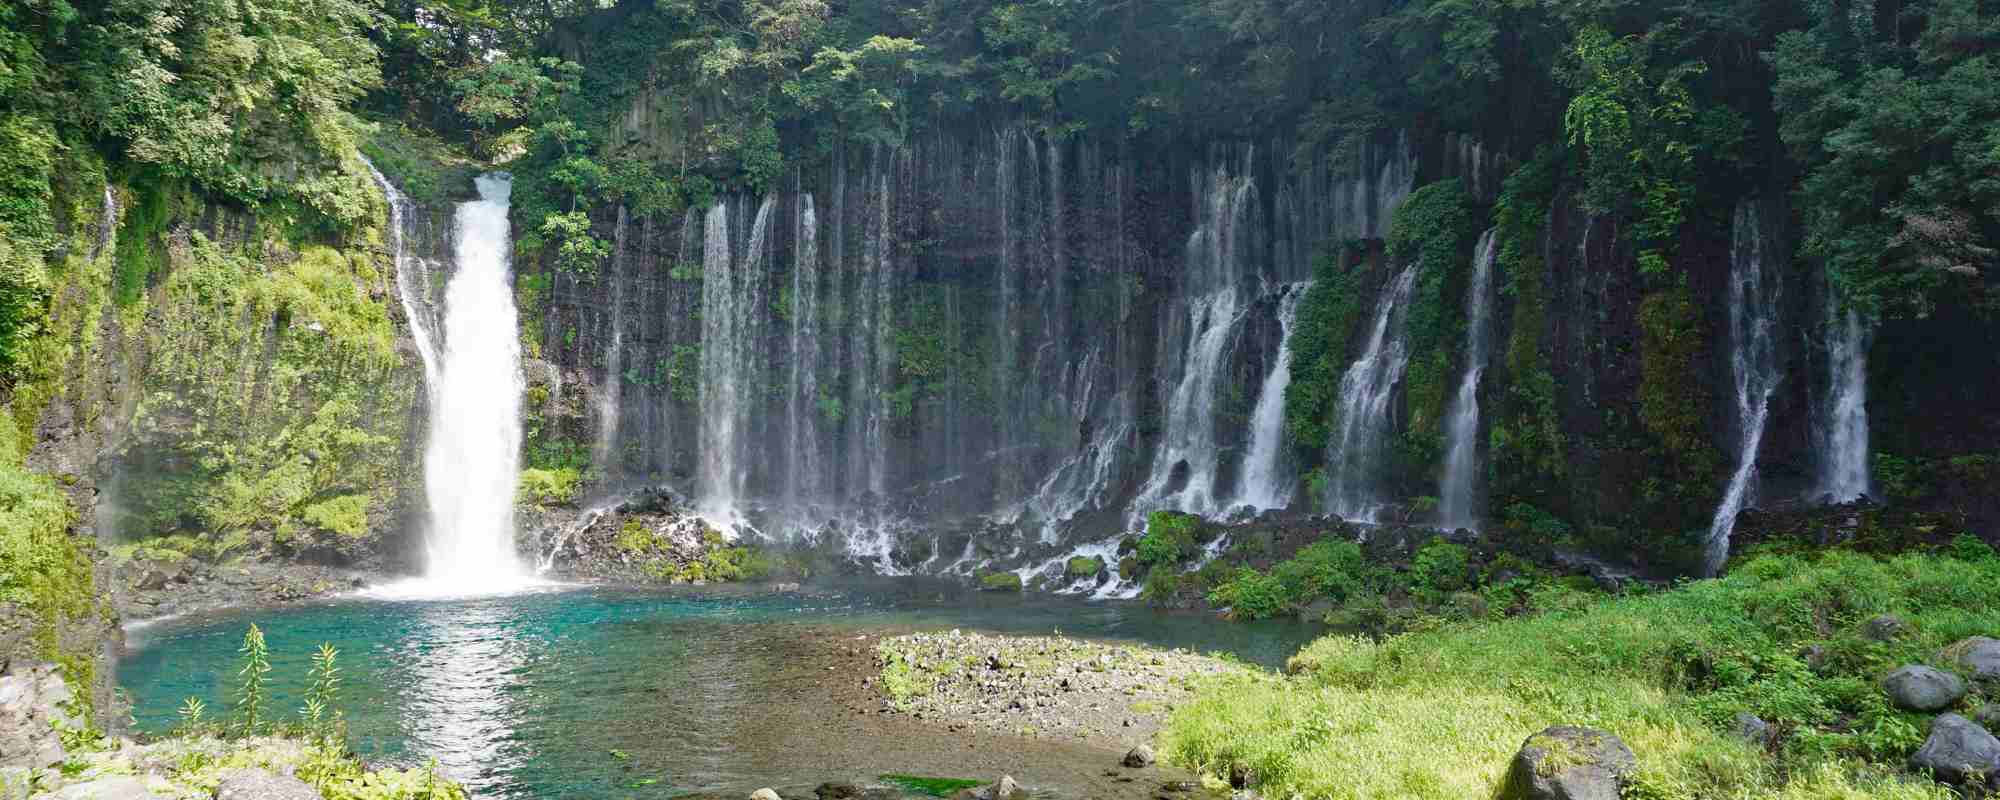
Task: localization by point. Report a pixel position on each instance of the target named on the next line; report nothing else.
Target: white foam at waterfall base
(1461, 463)
(472, 459)
(1753, 319)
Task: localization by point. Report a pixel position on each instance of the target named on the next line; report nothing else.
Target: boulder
(837, 790)
(1958, 750)
(1139, 757)
(32, 696)
(1570, 763)
(119, 787)
(1979, 655)
(1003, 789)
(766, 793)
(1920, 688)
(1885, 628)
(16, 782)
(1988, 716)
(257, 784)
(1753, 729)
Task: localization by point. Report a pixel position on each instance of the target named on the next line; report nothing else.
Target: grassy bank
(1437, 713)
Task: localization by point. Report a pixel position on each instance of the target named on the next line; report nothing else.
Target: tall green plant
(250, 690)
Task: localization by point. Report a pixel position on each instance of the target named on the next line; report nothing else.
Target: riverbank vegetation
(1797, 640)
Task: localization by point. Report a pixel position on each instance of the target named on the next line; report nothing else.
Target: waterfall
(1185, 470)
(614, 380)
(412, 291)
(472, 463)
(1753, 360)
(1354, 456)
(1266, 484)
(1461, 463)
(1842, 428)
(720, 378)
(801, 406)
(107, 227)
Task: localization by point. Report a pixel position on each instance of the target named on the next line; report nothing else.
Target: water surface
(595, 692)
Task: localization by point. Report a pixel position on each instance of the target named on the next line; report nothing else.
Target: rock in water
(1003, 789)
(1570, 763)
(1958, 750)
(1920, 688)
(32, 696)
(1980, 656)
(766, 793)
(257, 784)
(1138, 757)
(834, 790)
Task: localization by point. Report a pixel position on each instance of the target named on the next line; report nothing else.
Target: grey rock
(1003, 789)
(1885, 628)
(32, 696)
(766, 793)
(257, 784)
(837, 790)
(1988, 716)
(1980, 656)
(1958, 750)
(16, 783)
(1752, 728)
(1920, 688)
(1139, 757)
(120, 787)
(1570, 763)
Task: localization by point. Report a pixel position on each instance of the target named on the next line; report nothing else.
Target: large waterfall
(1266, 483)
(1356, 453)
(1753, 360)
(1456, 504)
(1842, 424)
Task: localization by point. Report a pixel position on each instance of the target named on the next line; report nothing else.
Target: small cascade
(1753, 360)
(732, 305)
(472, 464)
(1354, 456)
(801, 405)
(1186, 469)
(608, 392)
(412, 290)
(107, 226)
(1456, 502)
(1266, 482)
(1842, 427)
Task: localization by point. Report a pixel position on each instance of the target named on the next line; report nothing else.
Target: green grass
(935, 787)
(1439, 713)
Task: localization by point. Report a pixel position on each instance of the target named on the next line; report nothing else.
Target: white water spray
(1266, 483)
(1753, 320)
(472, 464)
(1461, 463)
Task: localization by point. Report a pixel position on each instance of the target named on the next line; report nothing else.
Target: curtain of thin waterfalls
(472, 464)
(1185, 470)
(1753, 360)
(721, 378)
(1842, 427)
(1461, 464)
(612, 386)
(801, 405)
(1355, 454)
(1266, 481)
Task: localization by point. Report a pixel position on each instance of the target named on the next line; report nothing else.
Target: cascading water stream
(1753, 320)
(1843, 424)
(411, 289)
(1266, 484)
(1461, 463)
(1355, 452)
(801, 409)
(472, 463)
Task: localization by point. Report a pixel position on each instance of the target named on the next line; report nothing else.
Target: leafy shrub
(1169, 539)
(1328, 568)
(1252, 595)
(1439, 568)
(549, 486)
(346, 515)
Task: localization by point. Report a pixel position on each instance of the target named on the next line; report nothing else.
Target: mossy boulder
(1085, 566)
(1000, 582)
(1570, 763)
